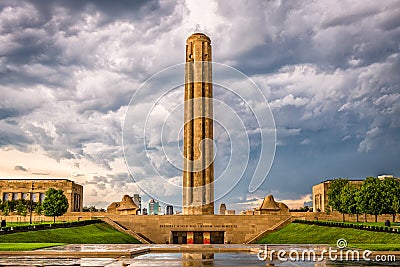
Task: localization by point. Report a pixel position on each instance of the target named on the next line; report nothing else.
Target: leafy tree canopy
(391, 192)
(334, 194)
(349, 199)
(21, 208)
(55, 203)
(371, 196)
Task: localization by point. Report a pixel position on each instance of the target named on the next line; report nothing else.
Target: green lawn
(26, 246)
(297, 233)
(99, 233)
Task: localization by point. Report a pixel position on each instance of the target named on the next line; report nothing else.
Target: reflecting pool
(172, 255)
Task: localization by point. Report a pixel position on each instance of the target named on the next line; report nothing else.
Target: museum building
(15, 189)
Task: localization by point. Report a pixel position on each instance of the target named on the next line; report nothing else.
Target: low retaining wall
(336, 216)
(45, 226)
(357, 226)
(69, 216)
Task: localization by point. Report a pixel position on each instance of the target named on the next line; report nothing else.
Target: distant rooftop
(355, 180)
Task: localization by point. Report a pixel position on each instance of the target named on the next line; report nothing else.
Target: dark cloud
(40, 173)
(122, 8)
(11, 135)
(291, 33)
(390, 21)
(8, 112)
(20, 168)
(350, 18)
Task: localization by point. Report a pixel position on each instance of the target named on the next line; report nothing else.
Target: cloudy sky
(328, 69)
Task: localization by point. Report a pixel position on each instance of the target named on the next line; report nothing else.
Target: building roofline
(36, 179)
(349, 179)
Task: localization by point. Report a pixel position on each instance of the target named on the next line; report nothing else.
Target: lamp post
(31, 204)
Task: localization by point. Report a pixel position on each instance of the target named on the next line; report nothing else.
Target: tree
(396, 205)
(90, 209)
(55, 203)
(334, 195)
(11, 205)
(349, 199)
(391, 190)
(39, 209)
(21, 208)
(371, 197)
(6, 208)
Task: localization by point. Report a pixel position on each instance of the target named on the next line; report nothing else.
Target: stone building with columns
(320, 192)
(15, 189)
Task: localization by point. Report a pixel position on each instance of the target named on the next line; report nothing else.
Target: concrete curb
(76, 254)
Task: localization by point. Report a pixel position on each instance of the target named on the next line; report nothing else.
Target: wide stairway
(273, 228)
(123, 229)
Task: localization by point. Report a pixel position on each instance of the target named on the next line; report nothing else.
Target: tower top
(198, 36)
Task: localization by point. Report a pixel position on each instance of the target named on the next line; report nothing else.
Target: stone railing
(273, 228)
(123, 229)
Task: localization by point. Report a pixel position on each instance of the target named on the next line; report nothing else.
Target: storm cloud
(328, 69)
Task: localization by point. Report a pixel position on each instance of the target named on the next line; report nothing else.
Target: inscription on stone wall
(200, 226)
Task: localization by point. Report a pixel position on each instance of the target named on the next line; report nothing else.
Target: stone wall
(69, 216)
(237, 228)
(336, 216)
(320, 197)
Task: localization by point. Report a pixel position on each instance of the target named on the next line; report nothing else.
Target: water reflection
(197, 259)
(172, 259)
(175, 260)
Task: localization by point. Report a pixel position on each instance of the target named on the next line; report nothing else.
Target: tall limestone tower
(198, 173)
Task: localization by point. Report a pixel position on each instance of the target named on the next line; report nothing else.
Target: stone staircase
(273, 228)
(123, 229)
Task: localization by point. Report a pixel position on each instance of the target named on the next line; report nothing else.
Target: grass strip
(98, 233)
(296, 233)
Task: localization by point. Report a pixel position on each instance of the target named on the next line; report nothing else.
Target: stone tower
(198, 173)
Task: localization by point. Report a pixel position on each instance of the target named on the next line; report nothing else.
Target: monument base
(202, 229)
